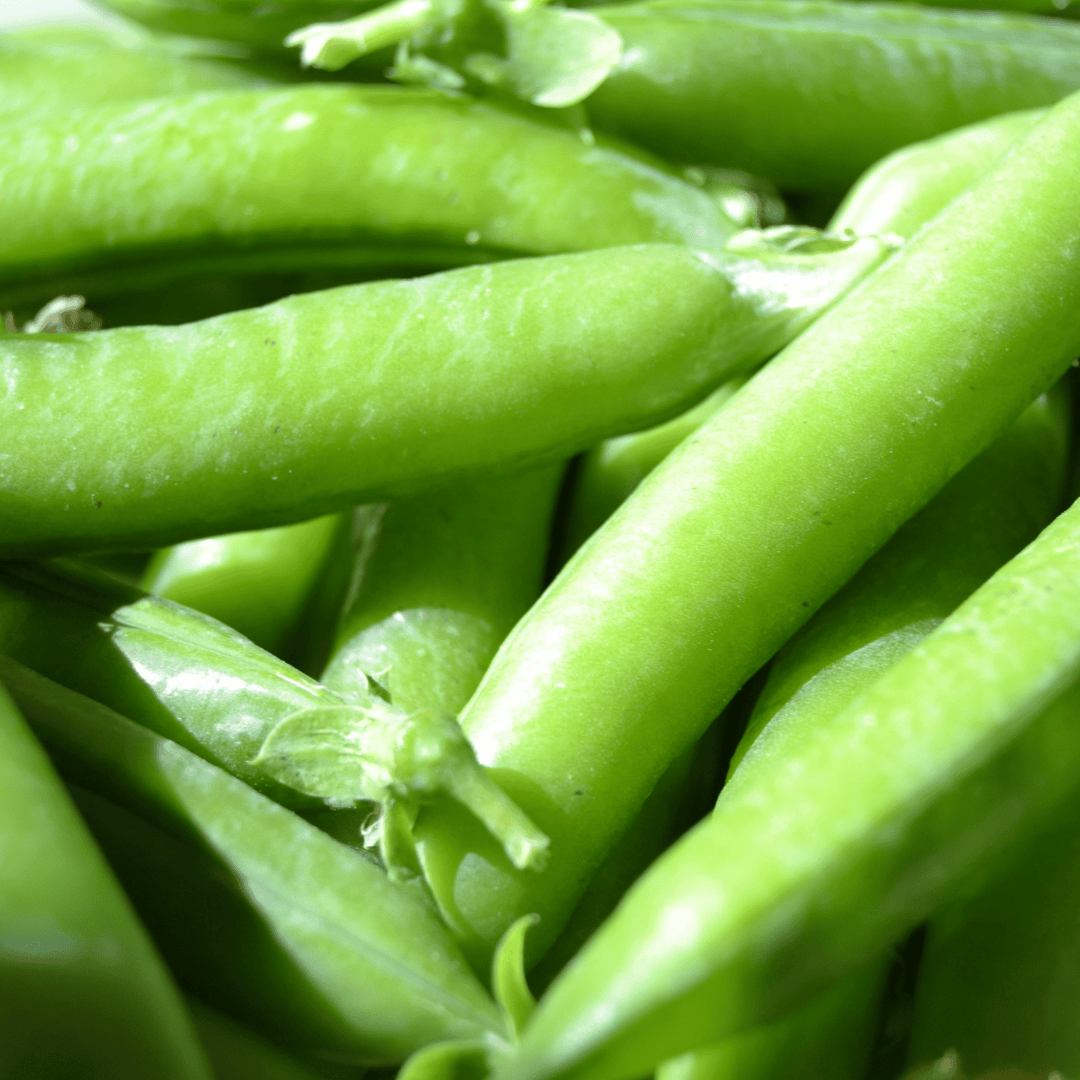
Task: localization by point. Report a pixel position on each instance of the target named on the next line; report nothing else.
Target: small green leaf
(508, 975)
(464, 1059)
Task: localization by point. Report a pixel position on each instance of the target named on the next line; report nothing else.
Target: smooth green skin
(751, 524)
(842, 838)
(171, 669)
(257, 911)
(61, 69)
(906, 189)
(811, 93)
(237, 1053)
(438, 582)
(829, 1039)
(320, 174)
(256, 582)
(318, 402)
(610, 473)
(978, 521)
(82, 990)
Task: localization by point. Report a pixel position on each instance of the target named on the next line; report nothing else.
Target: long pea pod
(301, 937)
(192, 679)
(342, 179)
(438, 582)
(751, 524)
(82, 990)
(806, 92)
(982, 517)
(318, 402)
(900, 193)
(256, 582)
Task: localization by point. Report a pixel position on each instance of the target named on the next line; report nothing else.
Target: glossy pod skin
(811, 93)
(256, 582)
(82, 990)
(299, 936)
(841, 838)
(906, 189)
(752, 523)
(332, 178)
(438, 582)
(981, 518)
(213, 441)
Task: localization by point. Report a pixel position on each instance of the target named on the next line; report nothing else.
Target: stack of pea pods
(535, 542)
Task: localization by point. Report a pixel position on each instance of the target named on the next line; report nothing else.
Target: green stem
(333, 45)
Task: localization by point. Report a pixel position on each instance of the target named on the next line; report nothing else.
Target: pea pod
(192, 679)
(903, 191)
(751, 524)
(81, 987)
(658, 326)
(314, 178)
(256, 582)
(438, 583)
(806, 92)
(302, 937)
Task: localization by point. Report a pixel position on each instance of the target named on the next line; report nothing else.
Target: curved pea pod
(382, 390)
(806, 92)
(609, 473)
(192, 679)
(316, 178)
(732, 543)
(438, 582)
(82, 990)
(841, 838)
(58, 70)
(256, 582)
(297, 935)
(906, 189)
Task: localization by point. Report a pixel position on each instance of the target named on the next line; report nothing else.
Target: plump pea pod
(328, 954)
(806, 92)
(192, 679)
(360, 393)
(438, 582)
(609, 473)
(256, 582)
(61, 69)
(998, 977)
(752, 523)
(82, 990)
(316, 177)
(982, 517)
(906, 189)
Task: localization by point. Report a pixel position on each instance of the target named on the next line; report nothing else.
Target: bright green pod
(903, 191)
(82, 990)
(299, 936)
(609, 473)
(347, 179)
(322, 401)
(61, 70)
(256, 582)
(732, 543)
(438, 582)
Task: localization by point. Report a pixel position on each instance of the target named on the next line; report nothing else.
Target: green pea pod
(377, 390)
(755, 521)
(903, 191)
(609, 473)
(297, 935)
(82, 991)
(979, 520)
(807, 92)
(438, 583)
(315, 178)
(53, 71)
(192, 679)
(256, 582)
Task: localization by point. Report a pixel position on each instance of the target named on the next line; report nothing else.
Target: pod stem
(333, 45)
